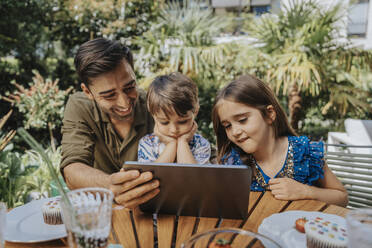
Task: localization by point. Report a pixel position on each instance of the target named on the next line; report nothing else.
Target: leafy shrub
(42, 103)
(40, 179)
(13, 189)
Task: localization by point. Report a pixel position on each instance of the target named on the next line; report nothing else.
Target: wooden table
(135, 229)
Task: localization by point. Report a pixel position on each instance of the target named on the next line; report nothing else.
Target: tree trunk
(294, 105)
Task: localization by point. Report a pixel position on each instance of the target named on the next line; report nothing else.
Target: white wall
(365, 42)
(228, 3)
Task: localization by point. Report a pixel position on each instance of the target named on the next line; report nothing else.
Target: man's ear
(196, 111)
(86, 90)
(271, 114)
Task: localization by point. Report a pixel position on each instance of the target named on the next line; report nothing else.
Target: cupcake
(321, 233)
(52, 212)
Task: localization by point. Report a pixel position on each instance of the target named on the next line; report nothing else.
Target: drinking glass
(234, 236)
(359, 227)
(87, 217)
(2, 223)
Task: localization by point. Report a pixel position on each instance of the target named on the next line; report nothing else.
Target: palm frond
(184, 37)
(344, 98)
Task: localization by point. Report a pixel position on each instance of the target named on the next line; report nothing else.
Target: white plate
(25, 224)
(281, 227)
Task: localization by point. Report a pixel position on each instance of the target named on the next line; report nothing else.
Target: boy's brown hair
(172, 93)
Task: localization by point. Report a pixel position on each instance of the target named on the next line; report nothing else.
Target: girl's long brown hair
(253, 92)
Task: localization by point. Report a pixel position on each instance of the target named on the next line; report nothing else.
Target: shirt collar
(99, 115)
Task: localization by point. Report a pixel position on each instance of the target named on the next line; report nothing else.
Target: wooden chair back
(355, 172)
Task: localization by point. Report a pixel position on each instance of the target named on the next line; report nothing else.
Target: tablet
(198, 190)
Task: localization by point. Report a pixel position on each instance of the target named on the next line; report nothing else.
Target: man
(103, 124)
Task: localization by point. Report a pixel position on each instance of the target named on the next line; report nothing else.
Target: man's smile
(123, 111)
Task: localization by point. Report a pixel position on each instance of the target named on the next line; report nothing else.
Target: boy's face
(174, 125)
(115, 92)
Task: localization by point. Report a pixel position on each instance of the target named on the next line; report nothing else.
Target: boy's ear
(86, 90)
(271, 114)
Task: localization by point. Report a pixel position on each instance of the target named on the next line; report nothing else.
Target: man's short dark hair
(99, 56)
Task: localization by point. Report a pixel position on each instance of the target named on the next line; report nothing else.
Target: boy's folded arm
(169, 153)
(184, 154)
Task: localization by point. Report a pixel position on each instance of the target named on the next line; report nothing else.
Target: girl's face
(174, 125)
(244, 125)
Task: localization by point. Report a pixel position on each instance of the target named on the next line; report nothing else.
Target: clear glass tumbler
(230, 237)
(88, 217)
(3, 211)
(359, 227)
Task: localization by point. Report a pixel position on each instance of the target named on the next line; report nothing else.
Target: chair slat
(356, 205)
(347, 154)
(360, 195)
(355, 172)
(351, 170)
(354, 182)
(366, 178)
(358, 189)
(348, 164)
(360, 200)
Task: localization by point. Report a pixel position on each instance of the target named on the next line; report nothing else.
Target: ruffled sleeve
(308, 159)
(231, 158)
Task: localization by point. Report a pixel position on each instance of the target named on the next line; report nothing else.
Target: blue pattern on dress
(308, 161)
(150, 148)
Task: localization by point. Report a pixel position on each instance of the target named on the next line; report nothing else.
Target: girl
(252, 128)
(173, 102)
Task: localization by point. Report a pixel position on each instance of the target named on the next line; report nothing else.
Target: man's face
(115, 92)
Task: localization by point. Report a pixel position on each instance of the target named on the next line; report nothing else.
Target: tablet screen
(198, 190)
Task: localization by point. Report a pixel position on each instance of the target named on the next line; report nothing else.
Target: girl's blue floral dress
(304, 163)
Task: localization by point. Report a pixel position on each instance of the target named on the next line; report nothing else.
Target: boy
(173, 102)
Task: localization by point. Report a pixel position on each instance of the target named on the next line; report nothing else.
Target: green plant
(42, 104)
(301, 56)
(13, 189)
(54, 174)
(5, 138)
(182, 39)
(40, 180)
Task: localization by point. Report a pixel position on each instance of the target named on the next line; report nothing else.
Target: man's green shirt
(90, 138)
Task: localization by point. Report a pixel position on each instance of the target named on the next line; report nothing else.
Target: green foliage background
(43, 35)
(38, 40)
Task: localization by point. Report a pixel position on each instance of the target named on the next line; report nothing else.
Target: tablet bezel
(212, 190)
